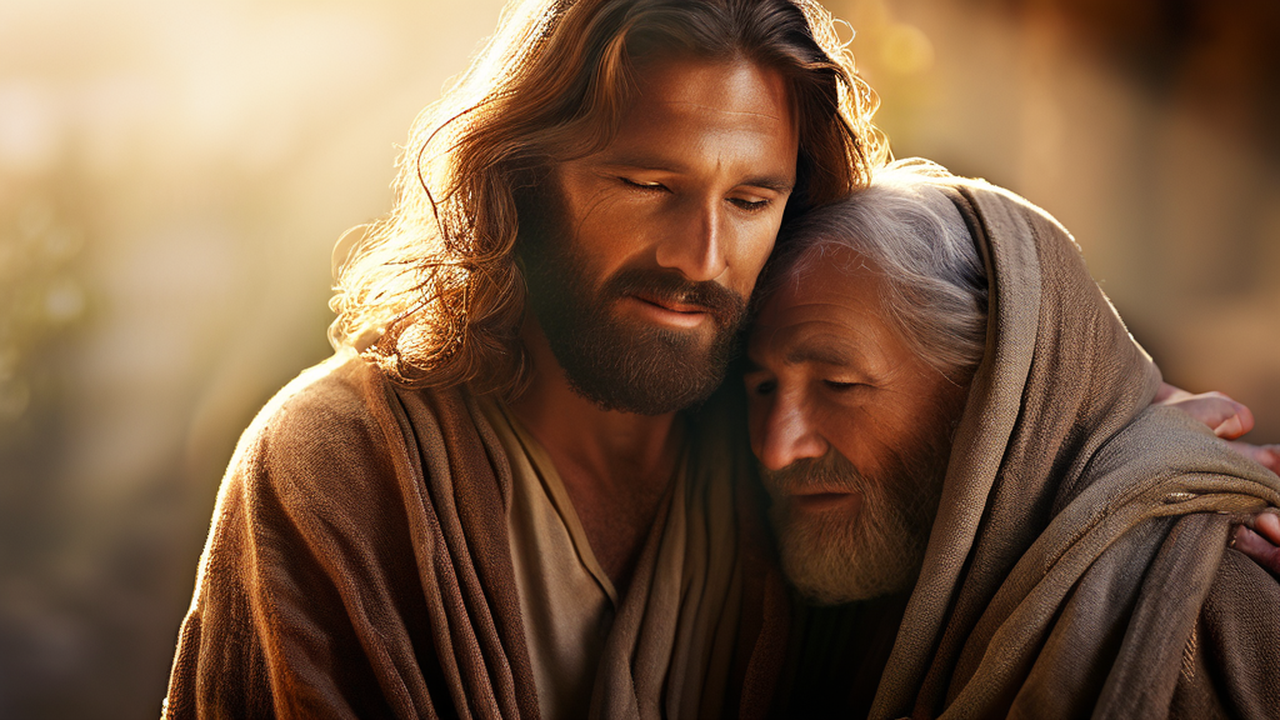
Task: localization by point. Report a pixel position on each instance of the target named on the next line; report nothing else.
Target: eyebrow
(768, 182)
(776, 184)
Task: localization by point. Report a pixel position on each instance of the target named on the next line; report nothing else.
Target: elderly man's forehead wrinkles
(825, 351)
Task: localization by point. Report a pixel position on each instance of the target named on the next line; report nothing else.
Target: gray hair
(935, 280)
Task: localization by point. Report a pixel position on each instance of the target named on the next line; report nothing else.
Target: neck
(615, 466)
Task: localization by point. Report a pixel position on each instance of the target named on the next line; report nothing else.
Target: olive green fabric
(1078, 564)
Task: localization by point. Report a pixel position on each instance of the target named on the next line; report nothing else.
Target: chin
(644, 369)
(833, 558)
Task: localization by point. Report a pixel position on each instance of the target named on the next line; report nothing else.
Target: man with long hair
(493, 501)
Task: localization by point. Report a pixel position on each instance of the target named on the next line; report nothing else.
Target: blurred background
(173, 177)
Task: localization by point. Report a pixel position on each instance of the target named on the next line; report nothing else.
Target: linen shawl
(1078, 564)
(359, 566)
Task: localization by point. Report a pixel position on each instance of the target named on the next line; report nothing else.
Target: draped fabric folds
(1078, 564)
(359, 566)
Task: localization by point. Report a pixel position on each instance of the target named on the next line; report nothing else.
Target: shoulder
(328, 403)
(335, 430)
(1165, 452)
(1163, 437)
(334, 469)
(329, 413)
(342, 427)
(346, 405)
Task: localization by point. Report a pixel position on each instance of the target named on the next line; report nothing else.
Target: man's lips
(819, 500)
(672, 312)
(673, 305)
(667, 297)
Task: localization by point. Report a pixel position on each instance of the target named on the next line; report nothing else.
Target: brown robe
(359, 566)
(1079, 563)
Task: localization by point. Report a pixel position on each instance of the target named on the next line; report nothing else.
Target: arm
(271, 632)
(1236, 646)
(310, 600)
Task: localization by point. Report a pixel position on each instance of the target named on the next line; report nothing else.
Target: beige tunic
(567, 600)
(688, 570)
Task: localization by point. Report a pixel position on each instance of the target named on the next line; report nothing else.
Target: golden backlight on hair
(432, 292)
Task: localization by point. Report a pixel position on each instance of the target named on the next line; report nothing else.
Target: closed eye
(838, 386)
(759, 386)
(750, 205)
(642, 184)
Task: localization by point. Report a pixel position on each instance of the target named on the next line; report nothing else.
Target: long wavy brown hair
(432, 293)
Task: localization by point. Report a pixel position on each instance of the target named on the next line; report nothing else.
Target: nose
(697, 241)
(786, 432)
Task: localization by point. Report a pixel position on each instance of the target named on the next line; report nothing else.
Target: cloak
(359, 565)
(1079, 564)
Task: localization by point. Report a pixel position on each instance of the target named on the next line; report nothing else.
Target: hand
(1227, 418)
(1268, 456)
(1260, 543)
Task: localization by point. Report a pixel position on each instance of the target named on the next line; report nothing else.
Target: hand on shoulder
(1227, 418)
(1261, 542)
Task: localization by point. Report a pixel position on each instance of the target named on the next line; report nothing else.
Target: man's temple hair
(935, 284)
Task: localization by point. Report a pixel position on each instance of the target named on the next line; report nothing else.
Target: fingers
(1267, 456)
(1268, 526)
(1234, 419)
(1257, 548)
(1227, 418)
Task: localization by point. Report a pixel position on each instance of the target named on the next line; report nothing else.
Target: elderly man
(492, 501)
(957, 435)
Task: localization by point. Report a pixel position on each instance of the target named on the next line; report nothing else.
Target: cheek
(757, 411)
(595, 206)
(750, 253)
(595, 215)
(876, 446)
(610, 231)
(848, 438)
(858, 433)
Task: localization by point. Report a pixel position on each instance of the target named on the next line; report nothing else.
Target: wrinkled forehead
(828, 296)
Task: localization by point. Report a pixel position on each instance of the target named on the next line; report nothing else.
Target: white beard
(834, 559)
(836, 556)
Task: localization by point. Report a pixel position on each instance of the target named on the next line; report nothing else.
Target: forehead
(735, 103)
(826, 310)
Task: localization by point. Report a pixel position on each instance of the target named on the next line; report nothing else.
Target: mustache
(833, 471)
(727, 308)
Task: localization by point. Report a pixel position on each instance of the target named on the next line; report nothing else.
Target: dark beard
(629, 367)
(834, 559)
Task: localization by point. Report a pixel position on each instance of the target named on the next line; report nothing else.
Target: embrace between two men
(516, 490)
